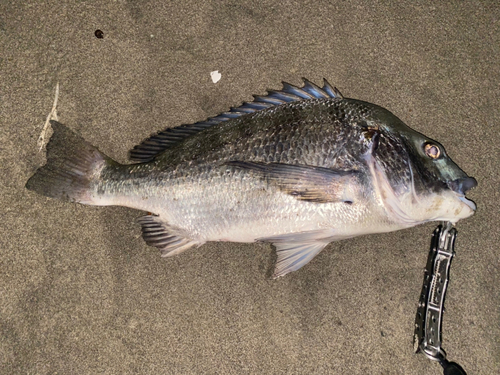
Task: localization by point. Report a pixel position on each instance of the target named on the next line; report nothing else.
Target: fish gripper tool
(429, 318)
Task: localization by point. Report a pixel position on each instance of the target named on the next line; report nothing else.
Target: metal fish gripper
(429, 318)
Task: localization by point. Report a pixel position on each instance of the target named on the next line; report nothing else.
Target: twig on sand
(51, 116)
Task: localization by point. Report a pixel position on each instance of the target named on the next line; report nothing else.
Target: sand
(80, 291)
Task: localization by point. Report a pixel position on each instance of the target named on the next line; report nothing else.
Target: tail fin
(72, 164)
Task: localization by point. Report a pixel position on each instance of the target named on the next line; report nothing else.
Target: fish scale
(298, 168)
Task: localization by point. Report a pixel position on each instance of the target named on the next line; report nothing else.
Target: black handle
(452, 368)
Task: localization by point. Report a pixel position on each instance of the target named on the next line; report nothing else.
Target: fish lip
(462, 185)
(467, 201)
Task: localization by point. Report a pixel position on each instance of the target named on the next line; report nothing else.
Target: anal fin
(158, 234)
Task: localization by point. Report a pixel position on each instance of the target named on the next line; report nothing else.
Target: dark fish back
(318, 132)
(153, 146)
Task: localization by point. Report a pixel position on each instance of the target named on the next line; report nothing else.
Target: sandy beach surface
(80, 291)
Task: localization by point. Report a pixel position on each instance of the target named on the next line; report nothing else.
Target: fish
(298, 168)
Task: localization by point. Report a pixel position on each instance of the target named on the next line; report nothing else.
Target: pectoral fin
(307, 183)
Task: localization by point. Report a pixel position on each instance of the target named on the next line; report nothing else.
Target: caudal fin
(72, 165)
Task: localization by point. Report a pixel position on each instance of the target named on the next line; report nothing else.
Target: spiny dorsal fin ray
(156, 144)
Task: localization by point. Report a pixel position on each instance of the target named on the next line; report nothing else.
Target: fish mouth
(462, 186)
(468, 202)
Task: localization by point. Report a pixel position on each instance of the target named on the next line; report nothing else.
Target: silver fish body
(299, 168)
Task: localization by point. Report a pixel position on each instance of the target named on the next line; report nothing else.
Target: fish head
(417, 179)
(442, 182)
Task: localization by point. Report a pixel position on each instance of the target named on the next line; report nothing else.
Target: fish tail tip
(71, 165)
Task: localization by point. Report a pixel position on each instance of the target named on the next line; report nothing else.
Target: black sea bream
(298, 168)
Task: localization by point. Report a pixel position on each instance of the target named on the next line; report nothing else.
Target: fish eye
(432, 151)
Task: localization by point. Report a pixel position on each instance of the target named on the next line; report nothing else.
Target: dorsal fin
(156, 144)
